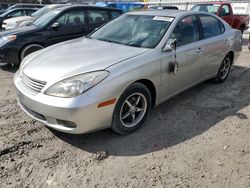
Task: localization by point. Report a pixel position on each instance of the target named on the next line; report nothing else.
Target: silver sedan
(113, 77)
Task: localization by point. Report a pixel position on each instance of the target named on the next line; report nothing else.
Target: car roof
(86, 6)
(165, 12)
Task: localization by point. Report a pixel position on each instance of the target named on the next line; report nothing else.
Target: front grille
(36, 85)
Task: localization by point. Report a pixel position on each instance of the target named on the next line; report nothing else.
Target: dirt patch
(197, 139)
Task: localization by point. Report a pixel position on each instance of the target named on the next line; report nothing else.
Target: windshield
(211, 8)
(46, 18)
(41, 11)
(134, 30)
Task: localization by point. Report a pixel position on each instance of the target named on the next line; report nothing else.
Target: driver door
(70, 25)
(188, 55)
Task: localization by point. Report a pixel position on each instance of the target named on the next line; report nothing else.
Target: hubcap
(225, 68)
(133, 110)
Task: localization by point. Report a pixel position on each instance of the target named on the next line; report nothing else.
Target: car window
(29, 12)
(225, 10)
(17, 13)
(115, 14)
(72, 18)
(210, 26)
(211, 8)
(46, 18)
(97, 16)
(186, 31)
(134, 30)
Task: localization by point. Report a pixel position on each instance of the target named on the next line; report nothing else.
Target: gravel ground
(200, 138)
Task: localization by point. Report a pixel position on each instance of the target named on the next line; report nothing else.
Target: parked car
(58, 25)
(16, 13)
(124, 6)
(163, 7)
(114, 76)
(26, 20)
(225, 11)
(21, 5)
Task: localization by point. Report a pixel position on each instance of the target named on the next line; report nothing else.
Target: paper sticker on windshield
(163, 18)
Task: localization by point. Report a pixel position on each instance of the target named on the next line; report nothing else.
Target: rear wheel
(132, 109)
(29, 49)
(223, 70)
(242, 29)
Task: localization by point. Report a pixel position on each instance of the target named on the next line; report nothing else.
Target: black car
(164, 8)
(16, 12)
(22, 5)
(58, 25)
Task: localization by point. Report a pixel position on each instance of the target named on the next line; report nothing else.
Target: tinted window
(46, 18)
(115, 14)
(17, 13)
(29, 12)
(225, 10)
(97, 16)
(186, 31)
(72, 18)
(210, 25)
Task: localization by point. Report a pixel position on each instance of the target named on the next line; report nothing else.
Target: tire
(224, 70)
(132, 109)
(29, 49)
(242, 29)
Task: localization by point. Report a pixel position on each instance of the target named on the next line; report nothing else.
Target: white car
(21, 21)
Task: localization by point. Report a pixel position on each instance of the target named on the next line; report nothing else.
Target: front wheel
(223, 70)
(132, 109)
(29, 49)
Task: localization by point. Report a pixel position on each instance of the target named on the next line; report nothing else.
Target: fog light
(68, 124)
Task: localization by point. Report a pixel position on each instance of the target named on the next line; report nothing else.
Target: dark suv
(58, 25)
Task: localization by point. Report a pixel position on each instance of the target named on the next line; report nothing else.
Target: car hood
(76, 57)
(18, 19)
(18, 31)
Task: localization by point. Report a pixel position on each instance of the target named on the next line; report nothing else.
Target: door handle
(200, 50)
(226, 41)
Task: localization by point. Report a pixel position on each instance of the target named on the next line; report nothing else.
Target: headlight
(76, 85)
(6, 39)
(11, 25)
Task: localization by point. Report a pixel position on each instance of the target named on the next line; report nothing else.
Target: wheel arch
(27, 44)
(231, 54)
(151, 87)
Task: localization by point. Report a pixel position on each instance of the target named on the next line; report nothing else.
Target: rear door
(215, 44)
(96, 17)
(72, 25)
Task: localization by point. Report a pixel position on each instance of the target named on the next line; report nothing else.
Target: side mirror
(170, 47)
(55, 26)
(9, 16)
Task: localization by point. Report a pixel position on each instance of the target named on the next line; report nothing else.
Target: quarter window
(186, 31)
(210, 26)
(97, 16)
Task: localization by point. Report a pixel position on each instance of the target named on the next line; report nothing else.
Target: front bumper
(71, 115)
